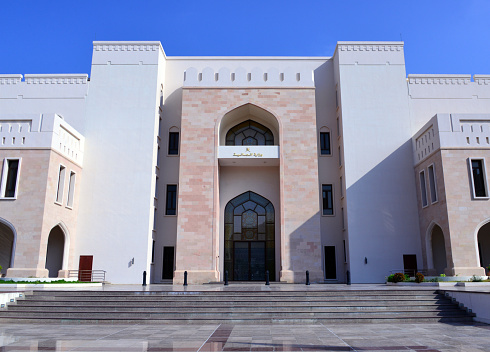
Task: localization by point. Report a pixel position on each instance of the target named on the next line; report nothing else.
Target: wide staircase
(254, 307)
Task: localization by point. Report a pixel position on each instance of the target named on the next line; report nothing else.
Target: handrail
(88, 275)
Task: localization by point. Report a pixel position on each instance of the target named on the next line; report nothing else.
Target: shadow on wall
(305, 253)
(382, 216)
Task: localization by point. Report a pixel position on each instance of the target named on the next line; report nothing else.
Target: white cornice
(128, 46)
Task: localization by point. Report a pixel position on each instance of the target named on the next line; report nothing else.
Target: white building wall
(381, 209)
(116, 204)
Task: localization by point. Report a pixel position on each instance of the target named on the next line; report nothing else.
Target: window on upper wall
(71, 190)
(325, 143)
(61, 184)
(432, 183)
(173, 143)
(327, 198)
(171, 203)
(423, 189)
(479, 178)
(10, 177)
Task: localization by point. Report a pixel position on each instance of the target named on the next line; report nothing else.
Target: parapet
(49, 131)
(457, 131)
(438, 86)
(254, 78)
(370, 53)
(127, 53)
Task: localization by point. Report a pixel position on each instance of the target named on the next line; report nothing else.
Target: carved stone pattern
(446, 81)
(126, 47)
(56, 80)
(370, 47)
(9, 80)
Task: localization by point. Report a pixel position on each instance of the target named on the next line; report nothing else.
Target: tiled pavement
(360, 337)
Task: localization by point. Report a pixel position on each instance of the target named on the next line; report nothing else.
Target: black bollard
(226, 278)
(267, 278)
(348, 277)
(185, 278)
(307, 277)
(144, 278)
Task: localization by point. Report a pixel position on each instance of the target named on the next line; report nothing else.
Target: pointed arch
(9, 226)
(57, 250)
(478, 250)
(244, 112)
(435, 250)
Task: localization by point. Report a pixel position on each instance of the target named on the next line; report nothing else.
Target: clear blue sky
(441, 36)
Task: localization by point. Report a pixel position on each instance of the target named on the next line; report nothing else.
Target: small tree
(419, 277)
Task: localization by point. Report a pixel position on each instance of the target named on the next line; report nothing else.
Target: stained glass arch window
(249, 217)
(249, 133)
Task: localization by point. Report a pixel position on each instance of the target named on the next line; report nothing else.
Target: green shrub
(400, 277)
(442, 275)
(419, 277)
(476, 278)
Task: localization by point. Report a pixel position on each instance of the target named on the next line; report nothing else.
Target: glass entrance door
(249, 261)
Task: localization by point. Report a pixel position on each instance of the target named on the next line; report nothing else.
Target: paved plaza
(361, 337)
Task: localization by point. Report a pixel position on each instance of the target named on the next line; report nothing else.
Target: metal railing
(88, 275)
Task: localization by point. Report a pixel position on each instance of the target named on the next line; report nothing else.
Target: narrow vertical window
(343, 218)
(325, 143)
(154, 218)
(340, 158)
(423, 189)
(156, 187)
(61, 184)
(479, 178)
(173, 143)
(153, 252)
(327, 198)
(9, 178)
(338, 127)
(336, 98)
(158, 156)
(341, 188)
(345, 253)
(171, 208)
(71, 190)
(432, 184)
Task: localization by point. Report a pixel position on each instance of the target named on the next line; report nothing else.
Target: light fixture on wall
(365, 260)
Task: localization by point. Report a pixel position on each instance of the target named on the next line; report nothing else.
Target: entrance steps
(253, 307)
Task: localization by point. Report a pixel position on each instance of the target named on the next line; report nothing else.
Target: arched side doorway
(484, 245)
(249, 238)
(7, 242)
(54, 252)
(438, 245)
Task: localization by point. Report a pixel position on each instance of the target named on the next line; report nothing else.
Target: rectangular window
(336, 98)
(61, 184)
(340, 159)
(153, 252)
(345, 253)
(327, 197)
(156, 187)
(341, 188)
(338, 127)
(171, 208)
(71, 190)
(479, 178)
(343, 218)
(173, 143)
(10, 176)
(330, 263)
(423, 188)
(432, 184)
(154, 218)
(325, 143)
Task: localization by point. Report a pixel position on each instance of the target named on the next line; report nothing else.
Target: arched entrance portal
(249, 238)
(54, 254)
(7, 240)
(438, 250)
(484, 245)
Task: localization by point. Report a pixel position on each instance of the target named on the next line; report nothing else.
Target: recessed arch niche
(249, 112)
(7, 244)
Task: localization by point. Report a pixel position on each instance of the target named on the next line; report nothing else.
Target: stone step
(233, 307)
(225, 315)
(221, 309)
(255, 321)
(233, 298)
(243, 303)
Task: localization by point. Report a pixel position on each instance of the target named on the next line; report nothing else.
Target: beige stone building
(341, 166)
